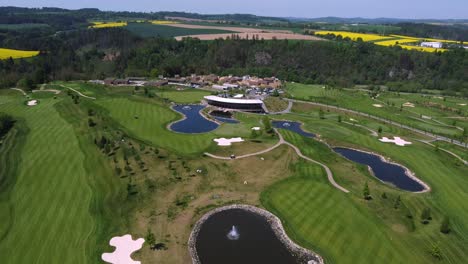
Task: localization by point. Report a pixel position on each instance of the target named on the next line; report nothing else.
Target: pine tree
(426, 216)
(366, 192)
(397, 202)
(445, 226)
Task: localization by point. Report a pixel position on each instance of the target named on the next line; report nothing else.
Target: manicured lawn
(190, 96)
(51, 197)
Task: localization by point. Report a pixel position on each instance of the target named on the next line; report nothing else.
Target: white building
(437, 45)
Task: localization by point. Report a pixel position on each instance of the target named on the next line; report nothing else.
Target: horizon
(367, 9)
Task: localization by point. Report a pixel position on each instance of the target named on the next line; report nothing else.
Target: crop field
(163, 22)
(16, 54)
(165, 30)
(23, 26)
(390, 40)
(428, 113)
(108, 24)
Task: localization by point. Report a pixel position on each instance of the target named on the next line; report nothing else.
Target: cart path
(298, 152)
(78, 92)
(19, 90)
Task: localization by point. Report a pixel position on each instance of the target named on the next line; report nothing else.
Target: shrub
(445, 226)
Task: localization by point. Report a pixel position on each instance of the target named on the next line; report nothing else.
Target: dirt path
(19, 90)
(78, 92)
(298, 152)
(438, 137)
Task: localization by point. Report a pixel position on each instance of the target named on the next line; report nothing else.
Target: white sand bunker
(462, 104)
(256, 128)
(408, 104)
(397, 140)
(377, 105)
(32, 103)
(227, 141)
(124, 247)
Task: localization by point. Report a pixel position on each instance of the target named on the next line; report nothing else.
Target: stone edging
(304, 255)
(408, 172)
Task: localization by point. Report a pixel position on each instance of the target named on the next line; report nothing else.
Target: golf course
(92, 162)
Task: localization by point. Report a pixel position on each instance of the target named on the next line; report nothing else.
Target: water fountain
(186, 108)
(286, 124)
(233, 234)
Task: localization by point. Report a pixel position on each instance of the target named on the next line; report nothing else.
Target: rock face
(304, 255)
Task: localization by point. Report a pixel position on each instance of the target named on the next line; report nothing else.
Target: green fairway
(42, 187)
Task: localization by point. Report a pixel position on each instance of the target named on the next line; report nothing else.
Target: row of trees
(6, 123)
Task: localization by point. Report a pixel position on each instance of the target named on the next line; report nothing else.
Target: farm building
(250, 105)
(436, 45)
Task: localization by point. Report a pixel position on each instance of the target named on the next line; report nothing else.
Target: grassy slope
(339, 225)
(42, 188)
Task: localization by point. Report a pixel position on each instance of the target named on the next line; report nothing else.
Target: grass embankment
(424, 115)
(190, 96)
(275, 104)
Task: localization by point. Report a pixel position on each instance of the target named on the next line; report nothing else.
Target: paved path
(19, 90)
(78, 92)
(298, 152)
(47, 90)
(438, 137)
(373, 133)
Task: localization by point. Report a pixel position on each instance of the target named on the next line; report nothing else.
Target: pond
(224, 117)
(238, 236)
(193, 121)
(387, 172)
(292, 126)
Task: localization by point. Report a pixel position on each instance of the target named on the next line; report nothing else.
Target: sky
(412, 9)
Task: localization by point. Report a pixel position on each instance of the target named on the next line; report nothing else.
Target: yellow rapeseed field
(162, 22)
(353, 35)
(390, 40)
(108, 24)
(16, 54)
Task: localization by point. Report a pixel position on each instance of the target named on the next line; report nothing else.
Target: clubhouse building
(248, 105)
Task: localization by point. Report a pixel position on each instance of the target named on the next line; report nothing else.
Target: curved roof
(232, 100)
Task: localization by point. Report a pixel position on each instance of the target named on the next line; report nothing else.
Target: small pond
(292, 126)
(193, 121)
(224, 117)
(386, 172)
(237, 236)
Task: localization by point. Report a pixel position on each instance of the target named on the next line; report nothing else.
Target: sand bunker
(408, 104)
(462, 104)
(377, 105)
(226, 141)
(124, 247)
(32, 103)
(397, 140)
(256, 128)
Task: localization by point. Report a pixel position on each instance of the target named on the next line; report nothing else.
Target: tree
(253, 134)
(321, 114)
(339, 119)
(436, 252)
(25, 84)
(366, 192)
(91, 122)
(445, 225)
(149, 238)
(267, 123)
(396, 205)
(6, 123)
(426, 216)
(384, 195)
(380, 130)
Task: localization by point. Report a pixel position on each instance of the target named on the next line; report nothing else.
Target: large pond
(237, 236)
(193, 121)
(292, 126)
(387, 172)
